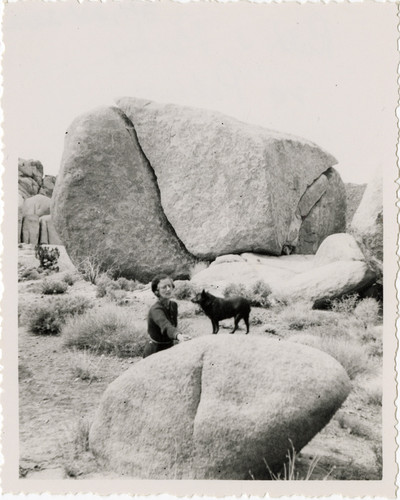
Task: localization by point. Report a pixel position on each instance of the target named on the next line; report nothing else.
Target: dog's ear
(203, 293)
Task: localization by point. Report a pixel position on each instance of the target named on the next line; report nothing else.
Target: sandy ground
(53, 401)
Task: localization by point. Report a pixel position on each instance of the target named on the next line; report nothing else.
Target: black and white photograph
(200, 247)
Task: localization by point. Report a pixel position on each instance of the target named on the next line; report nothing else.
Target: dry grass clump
(351, 355)
(70, 278)
(85, 365)
(27, 273)
(300, 316)
(185, 290)
(53, 287)
(345, 304)
(354, 425)
(109, 330)
(106, 287)
(373, 391)
(258, 293)
(48, 318)
(74, 449)
(367, 311)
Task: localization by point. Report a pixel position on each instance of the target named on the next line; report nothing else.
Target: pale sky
(323, 72)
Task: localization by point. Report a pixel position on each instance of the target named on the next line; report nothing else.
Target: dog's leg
(215, 326)
(236, 324)
(246, 320)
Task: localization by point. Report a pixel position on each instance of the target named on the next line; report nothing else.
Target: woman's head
(162, 286)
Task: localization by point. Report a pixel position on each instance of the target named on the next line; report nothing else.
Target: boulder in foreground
(216, 408)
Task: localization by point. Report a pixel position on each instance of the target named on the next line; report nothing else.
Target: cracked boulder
(217, 407)
(106, 204)
(230, 187)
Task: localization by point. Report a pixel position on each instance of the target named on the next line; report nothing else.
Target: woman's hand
(182, 337)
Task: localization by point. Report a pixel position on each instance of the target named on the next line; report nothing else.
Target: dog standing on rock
(218, 309)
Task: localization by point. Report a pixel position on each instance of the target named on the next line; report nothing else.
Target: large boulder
(216, 407)
(47, 186)
(230, 187)
(30, 229)
(36, 205)
(367, 223)
(106, 203)
(30, 176)
(47, 232)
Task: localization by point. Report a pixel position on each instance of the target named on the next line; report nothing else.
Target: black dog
(217, 309)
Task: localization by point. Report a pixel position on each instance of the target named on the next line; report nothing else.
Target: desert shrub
(48, 319)
(128, 285)
(27, 274)
(104, 283)
(109, 330)
(54, 287)
(351, 355)
(85, 366)
(345, 304)
(367, 311)
(70, 278)
(234, 290)
(185, 290)
(48, 257)
(259, 293)
(120, 297)
(107, 286)
(300, 315)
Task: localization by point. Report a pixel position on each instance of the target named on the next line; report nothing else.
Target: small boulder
(325, 282)
(36, 205)
(340, 246)
(216, 408)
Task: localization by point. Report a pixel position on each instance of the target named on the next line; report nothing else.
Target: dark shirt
(162, 321)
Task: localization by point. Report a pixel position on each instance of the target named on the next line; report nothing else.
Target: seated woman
(162, 320)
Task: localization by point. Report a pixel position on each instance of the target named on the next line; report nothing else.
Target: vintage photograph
(200, 229)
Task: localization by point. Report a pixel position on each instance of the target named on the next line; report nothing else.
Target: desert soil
(54, 403)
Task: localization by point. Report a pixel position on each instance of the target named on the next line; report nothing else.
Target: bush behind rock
(48, 318)
(109, 330)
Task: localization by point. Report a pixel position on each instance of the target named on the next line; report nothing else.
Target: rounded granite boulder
(218, 407)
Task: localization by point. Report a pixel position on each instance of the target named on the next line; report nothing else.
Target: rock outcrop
(47, 186)
(30, 176)
(190, 412)
(106, 203)
(230, 187)
(367, 223)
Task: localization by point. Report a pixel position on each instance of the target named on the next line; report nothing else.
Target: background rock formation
(191, 413)
(34, 193)
(106, 203)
